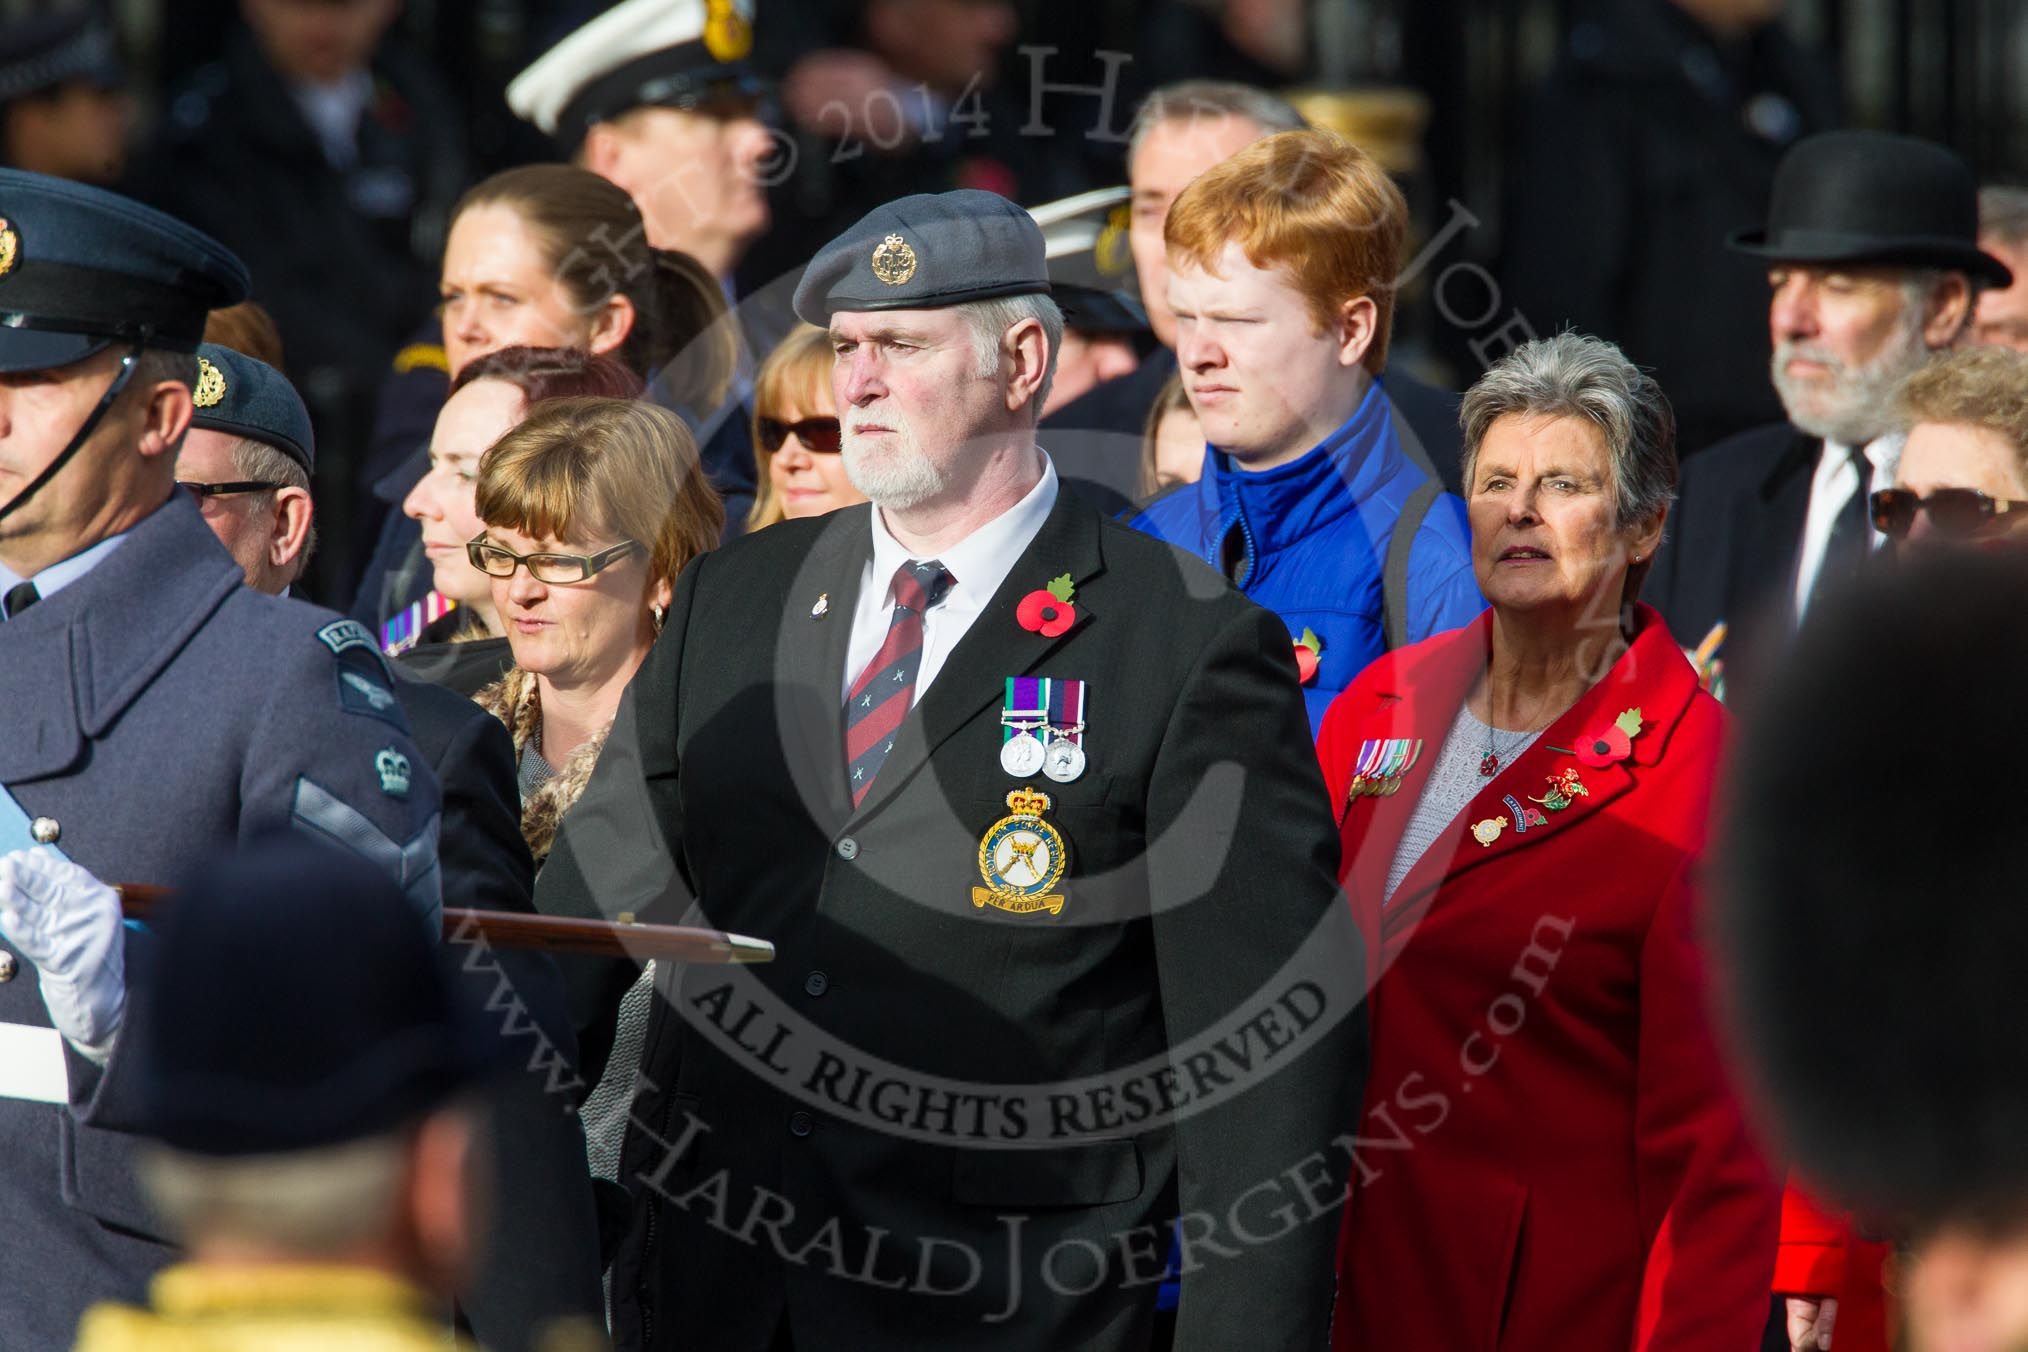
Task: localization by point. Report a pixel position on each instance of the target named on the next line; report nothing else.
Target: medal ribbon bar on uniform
(1065, 702)
(402, 632)
(1027, 706)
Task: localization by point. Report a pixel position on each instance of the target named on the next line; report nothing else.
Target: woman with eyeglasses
(1963, 476)
(591, 507)
(795, 433)
(464, 647)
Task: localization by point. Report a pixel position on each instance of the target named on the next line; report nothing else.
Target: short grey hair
(2003, 214)
(257, 461)
(1188, 100)
(990, 320)
(307, 1202)
(1575, 376)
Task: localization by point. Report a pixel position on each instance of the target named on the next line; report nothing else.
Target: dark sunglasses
(819, 434)
(1952, 511)
(203, 491)
(556, 569)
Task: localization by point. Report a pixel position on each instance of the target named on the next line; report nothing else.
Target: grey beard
(905, 477)
(1860, 403)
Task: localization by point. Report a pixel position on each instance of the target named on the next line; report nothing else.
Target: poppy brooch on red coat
(1047, 610)
(1610, 744)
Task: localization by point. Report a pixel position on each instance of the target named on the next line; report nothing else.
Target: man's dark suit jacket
(1732, 544)
(797, 1161)
(540, 1256)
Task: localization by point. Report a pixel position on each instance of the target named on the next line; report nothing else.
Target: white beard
(1854, 404)
(899, 474)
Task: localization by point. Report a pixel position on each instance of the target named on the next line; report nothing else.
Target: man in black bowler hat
(156, 710)
(249, 454)
(1027, 802)
(307, 1068)
(1873, 263)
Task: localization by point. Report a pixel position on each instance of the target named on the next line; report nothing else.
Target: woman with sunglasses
(795, 433)
(1963, 475)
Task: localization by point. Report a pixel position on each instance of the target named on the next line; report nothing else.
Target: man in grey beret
(1027, 802)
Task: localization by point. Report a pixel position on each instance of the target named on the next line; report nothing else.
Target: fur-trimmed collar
(515, 700)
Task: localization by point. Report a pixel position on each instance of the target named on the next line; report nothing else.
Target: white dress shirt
(57, 576)
(1831, 492)
(978, 564)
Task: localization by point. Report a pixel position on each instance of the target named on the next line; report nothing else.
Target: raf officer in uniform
(1027, 802)
(157, 709)
(250, 453)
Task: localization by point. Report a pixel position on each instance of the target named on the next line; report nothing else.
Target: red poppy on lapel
(1047, 610)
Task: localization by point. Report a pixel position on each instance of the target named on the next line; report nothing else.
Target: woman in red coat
(1550, 1154)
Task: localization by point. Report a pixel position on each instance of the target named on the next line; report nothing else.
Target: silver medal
(1021, 755)
(1064, 761)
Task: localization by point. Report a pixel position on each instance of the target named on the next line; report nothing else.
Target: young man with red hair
(1282, 262)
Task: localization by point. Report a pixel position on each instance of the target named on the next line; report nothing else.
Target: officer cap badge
(894, 261)
(210, 384)
(392, 767)
(1022, 858)
(10, 246)
(728, 36)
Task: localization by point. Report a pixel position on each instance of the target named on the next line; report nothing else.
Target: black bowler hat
(926, 252)
(1868, 197)
(81, 267)
(238, 394)
(300, 1000)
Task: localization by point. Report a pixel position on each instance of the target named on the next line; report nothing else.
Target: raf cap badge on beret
(894, 261)
(210, 384)
(10, 245)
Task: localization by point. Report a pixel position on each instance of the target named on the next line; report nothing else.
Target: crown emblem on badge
(728, 35)
(1027, 803)
(392, 767)
(210, 383)
(894, 261)
(10, 247)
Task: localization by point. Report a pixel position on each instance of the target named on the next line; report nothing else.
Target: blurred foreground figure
(314, 1151)
(1920, 1133)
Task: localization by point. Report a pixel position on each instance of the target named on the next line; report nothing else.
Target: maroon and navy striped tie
(881, 696)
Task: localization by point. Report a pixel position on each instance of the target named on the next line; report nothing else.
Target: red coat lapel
(1651, 676)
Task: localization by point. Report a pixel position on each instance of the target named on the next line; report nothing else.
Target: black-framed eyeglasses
(1952, 511)
(821, 435)
(203, 491)
(495, 560)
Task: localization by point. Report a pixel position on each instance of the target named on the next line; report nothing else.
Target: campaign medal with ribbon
(1382, 763)
(1042, 727)
(1022, 858)
(1067, 705)
(1025, 714)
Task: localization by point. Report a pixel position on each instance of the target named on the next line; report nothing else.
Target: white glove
(68, 924)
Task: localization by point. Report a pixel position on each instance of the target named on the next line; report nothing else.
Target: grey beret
(251, 399)
(925, 252)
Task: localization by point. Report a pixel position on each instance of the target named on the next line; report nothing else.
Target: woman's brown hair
(591, 468)
(593, 239)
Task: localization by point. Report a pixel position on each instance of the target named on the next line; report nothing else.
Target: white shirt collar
(57, 576)
(980, 562)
